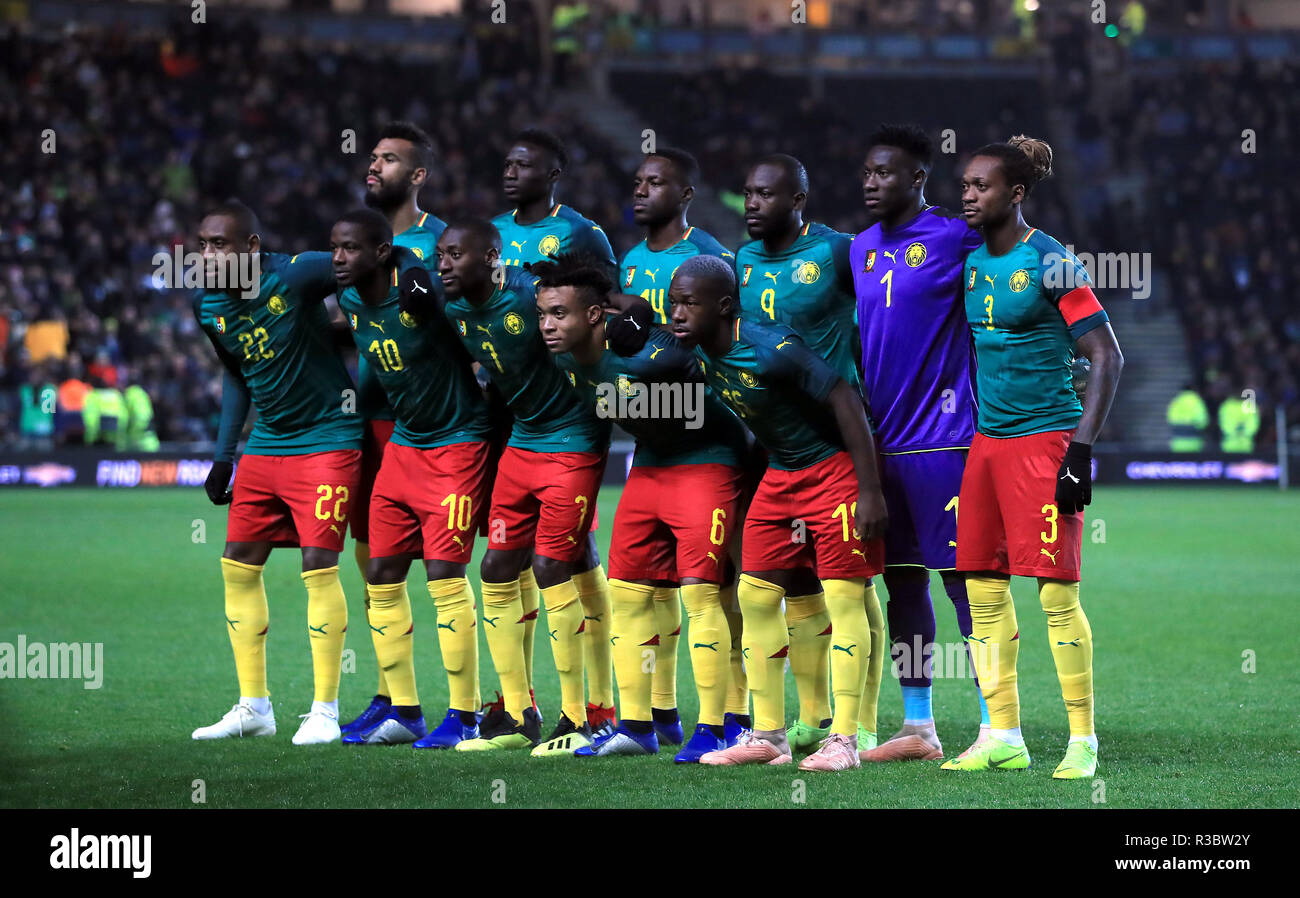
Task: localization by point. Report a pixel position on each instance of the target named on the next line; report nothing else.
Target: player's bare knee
(391, 569)
(500, 566)
(314, 559)
(247, 553)
(553, 571)
(443, 570)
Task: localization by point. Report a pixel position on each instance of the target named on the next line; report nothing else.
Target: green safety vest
(1188, 418)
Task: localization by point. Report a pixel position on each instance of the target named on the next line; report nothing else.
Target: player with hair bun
(1029, 302)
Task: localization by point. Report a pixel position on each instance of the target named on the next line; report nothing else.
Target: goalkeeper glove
(1074, 480)
(218, 483)
(628, 331)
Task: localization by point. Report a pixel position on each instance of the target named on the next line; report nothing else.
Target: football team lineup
(890, 404)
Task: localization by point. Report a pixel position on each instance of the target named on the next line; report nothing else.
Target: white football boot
(241, 720)
(318, 727)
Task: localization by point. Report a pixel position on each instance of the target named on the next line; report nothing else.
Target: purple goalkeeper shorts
(921, 490)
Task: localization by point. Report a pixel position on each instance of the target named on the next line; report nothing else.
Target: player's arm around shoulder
(310, 274)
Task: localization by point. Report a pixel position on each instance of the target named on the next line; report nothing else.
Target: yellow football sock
(361, 551)
(668, 621)
(503, 625)
(876, 663)
(634, 645)
(1070, 636)
(593, 590)
(850, 649)
(564, 623)
(707, 635)
(458, 640)
(738, 682)
(247, 620)
(809, 626)
(392, 631)
(327, 627)
(532, 601)
(766, 646)
(995, 645)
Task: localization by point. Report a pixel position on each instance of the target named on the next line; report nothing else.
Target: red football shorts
(378, 433)
(1007, 520)
(546, 500)
(294, 500)
(804, 519)
(675, 522)
(427, 502)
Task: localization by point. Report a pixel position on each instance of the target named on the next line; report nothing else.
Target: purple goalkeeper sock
(911, 628)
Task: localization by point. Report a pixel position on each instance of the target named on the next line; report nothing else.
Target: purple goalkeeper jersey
(917, 355)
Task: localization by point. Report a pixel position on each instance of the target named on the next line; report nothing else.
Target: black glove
(628, 331)
(218, 483)
(415, 291)
(1074, 480)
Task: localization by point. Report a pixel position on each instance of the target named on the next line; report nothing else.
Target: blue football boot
(366, 719)
(392, 729)
(702, 742)
(450, 732)
(621, 741)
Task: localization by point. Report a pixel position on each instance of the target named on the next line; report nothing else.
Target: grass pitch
(1189, 591)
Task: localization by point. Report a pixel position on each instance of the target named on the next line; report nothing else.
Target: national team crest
(407, 319)
(1019, 280)
(624, 385)
(869, 262)
(970, 281)
(220, 324)
(460, 326)
(748, 379)
(549, 246)
(352, 320)
(808, 273)
(744, 280)
(631, 273)
(514, 323)
(275, 305)
(419, 253)
(915, 254)
(572, 380)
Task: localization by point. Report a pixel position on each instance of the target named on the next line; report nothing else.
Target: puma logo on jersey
(248, 318)
(1051, 555)
(990, 279)
(658, 349)
(773, 275)
(485, 328)
(519, 246)
(378, 324)
(783, 343)
(893, 257)
(650, 273)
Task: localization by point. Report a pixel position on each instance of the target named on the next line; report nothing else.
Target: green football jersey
(503, 337)
(284, 348)
(807, 287)
(658, 396)
(422, 239)
(778, 387)
(648, 274)
(560, 231)
(422, 370)
(1026, 309)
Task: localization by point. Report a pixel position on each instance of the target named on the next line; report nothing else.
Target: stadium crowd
(145, 131)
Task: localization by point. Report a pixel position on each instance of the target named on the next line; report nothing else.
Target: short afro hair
(547, 140)
(910, 138)
(244, 217)
(413, 134)
(373, 225)
(793, 168)
(584, 271)
(688, 168)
